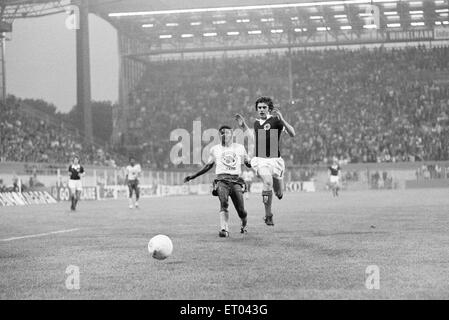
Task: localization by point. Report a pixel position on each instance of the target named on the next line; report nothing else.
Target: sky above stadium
(41, 61)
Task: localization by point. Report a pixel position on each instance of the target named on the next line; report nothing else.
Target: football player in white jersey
(133, 171)
(228, 158)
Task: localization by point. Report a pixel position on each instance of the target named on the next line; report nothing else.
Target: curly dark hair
(266, 100)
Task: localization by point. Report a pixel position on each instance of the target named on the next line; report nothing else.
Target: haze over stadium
(325, 123)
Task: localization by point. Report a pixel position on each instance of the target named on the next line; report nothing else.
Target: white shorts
(275, 165)
(334, 179)
(75, 185)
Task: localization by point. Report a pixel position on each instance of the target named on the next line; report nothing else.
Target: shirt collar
(263, 121)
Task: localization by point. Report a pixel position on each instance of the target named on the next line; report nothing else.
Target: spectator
(364, 106)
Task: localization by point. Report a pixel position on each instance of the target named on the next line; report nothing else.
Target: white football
(160, 247)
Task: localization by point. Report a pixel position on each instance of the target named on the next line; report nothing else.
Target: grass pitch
(319, 248)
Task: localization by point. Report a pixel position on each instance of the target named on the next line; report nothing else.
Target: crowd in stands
(27, 139)
(367, 105)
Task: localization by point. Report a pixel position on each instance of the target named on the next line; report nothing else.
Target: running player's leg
(79, 189)
(267, 192)
(332, 186)
(72, 197)
(137, 191)
(278, 177)
(223, 196)
(130, 195)
(239, 205)
(278, 187)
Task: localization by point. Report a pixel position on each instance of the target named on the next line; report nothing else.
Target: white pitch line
(38, 235)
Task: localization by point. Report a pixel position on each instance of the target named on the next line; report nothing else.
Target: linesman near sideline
(267, 162)
(133, 171)
(228, 158)
(76, 171)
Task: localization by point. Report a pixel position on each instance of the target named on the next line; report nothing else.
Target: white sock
(224, 218)
(226, 221)
(130, 202)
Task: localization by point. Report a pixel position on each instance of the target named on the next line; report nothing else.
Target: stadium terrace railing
(362, 176)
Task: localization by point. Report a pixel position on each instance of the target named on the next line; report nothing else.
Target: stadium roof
(27, 8)
(156, 5)
(173, 25)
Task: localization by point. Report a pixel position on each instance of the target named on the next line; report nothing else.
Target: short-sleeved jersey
(228, 159)
(334, 169)
(133, 171)
(75, 171)
(268, 135)
(248, 175)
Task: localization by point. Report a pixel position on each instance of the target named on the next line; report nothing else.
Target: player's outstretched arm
(206, 168)
(246, 160)
(290, 130)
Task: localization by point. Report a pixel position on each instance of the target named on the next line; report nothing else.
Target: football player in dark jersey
(76, 171)
(267, 161)
(334, 177)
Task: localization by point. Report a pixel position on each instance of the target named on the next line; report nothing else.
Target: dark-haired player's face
(76, 160)
(262, 110)
(226, 136)
(132, 161)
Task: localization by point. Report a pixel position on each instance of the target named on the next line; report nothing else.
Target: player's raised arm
(241, 121)
(247, 133)
(290, 130)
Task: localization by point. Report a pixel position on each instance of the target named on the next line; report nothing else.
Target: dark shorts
(133, 185)
(226, 186)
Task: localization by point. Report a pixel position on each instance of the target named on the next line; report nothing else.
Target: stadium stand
(376, 105)
(366, 105)
(27, 137)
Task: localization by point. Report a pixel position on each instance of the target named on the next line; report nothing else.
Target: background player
(76, 171)
(268, 162)
(248, 176)
(228, 157)
(133, 171)
(334, 177)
